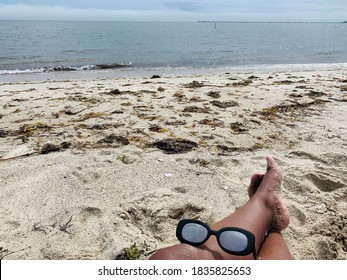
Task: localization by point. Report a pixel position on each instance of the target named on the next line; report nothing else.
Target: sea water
(82, 46)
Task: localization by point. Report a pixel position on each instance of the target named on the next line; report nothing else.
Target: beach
(90, 167)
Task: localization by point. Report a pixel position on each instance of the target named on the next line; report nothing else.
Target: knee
(176, 252)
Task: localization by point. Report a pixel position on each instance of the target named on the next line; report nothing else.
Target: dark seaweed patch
(225, 104)
(175, 146)
(112, 138)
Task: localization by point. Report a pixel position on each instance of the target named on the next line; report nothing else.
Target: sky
(170, 10)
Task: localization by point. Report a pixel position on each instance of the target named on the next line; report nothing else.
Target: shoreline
(133, 72)
(83, 178)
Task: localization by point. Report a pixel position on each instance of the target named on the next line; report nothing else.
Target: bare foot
(255, 183)
(267, 187)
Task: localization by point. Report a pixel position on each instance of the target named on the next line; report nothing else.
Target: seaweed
(118, 112)
(143, 108)
(314, 93)
(147, 117)
(84, 99)
(130, 253)
(112, 138)
(48, 148)
(214, 122)
(30, 129)
(180, 97)
(90, 116)
(175, 146)
(195, 109)
(238, 127)
(226, 149)
(295, 109)
(157, 128)
(252, 77)
(147, 91)
(139, 141)
(242, 83)
(3, 133)
(123, 159)
(178, 122)
(213, 94)
(194, 84)
(196, 99)
(102, 126)
(284, 82)
(225, 104)
(114, 92)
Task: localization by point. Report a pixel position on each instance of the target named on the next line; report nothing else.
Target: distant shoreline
(216, 21)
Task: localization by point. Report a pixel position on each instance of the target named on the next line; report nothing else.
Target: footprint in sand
(155, 215)
(326, 181)
(76, 234)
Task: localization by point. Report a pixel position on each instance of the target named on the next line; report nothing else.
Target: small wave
(63, 68)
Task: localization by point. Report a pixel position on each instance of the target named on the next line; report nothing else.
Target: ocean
(104, 47)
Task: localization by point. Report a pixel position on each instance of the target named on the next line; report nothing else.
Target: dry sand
(82, 178)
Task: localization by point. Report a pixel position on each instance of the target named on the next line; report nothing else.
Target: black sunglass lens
(194, 233)
(233, 241)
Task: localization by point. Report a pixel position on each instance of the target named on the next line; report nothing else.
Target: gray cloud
(170, 10)
(183, 6)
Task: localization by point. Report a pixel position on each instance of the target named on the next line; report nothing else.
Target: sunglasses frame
(250, 237)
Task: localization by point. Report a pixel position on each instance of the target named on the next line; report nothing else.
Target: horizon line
(198, 21)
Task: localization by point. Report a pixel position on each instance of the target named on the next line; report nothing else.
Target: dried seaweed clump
(238, 127)
(225, 104)
(213, 94)
(292, 110)
(243, 83)
(114, 92)
(194, 84)
(175, 146)
(49, 147)
(114, 139)
(195, 109)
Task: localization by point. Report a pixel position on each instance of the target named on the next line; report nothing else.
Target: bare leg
(274, 248)
(265, 208)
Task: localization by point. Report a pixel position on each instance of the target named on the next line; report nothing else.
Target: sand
(83, 175)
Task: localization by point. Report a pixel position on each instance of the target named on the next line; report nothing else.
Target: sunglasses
(235, 241)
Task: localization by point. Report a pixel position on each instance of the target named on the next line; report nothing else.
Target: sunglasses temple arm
(254, 253)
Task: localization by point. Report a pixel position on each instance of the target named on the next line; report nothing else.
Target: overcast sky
(181, 10)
